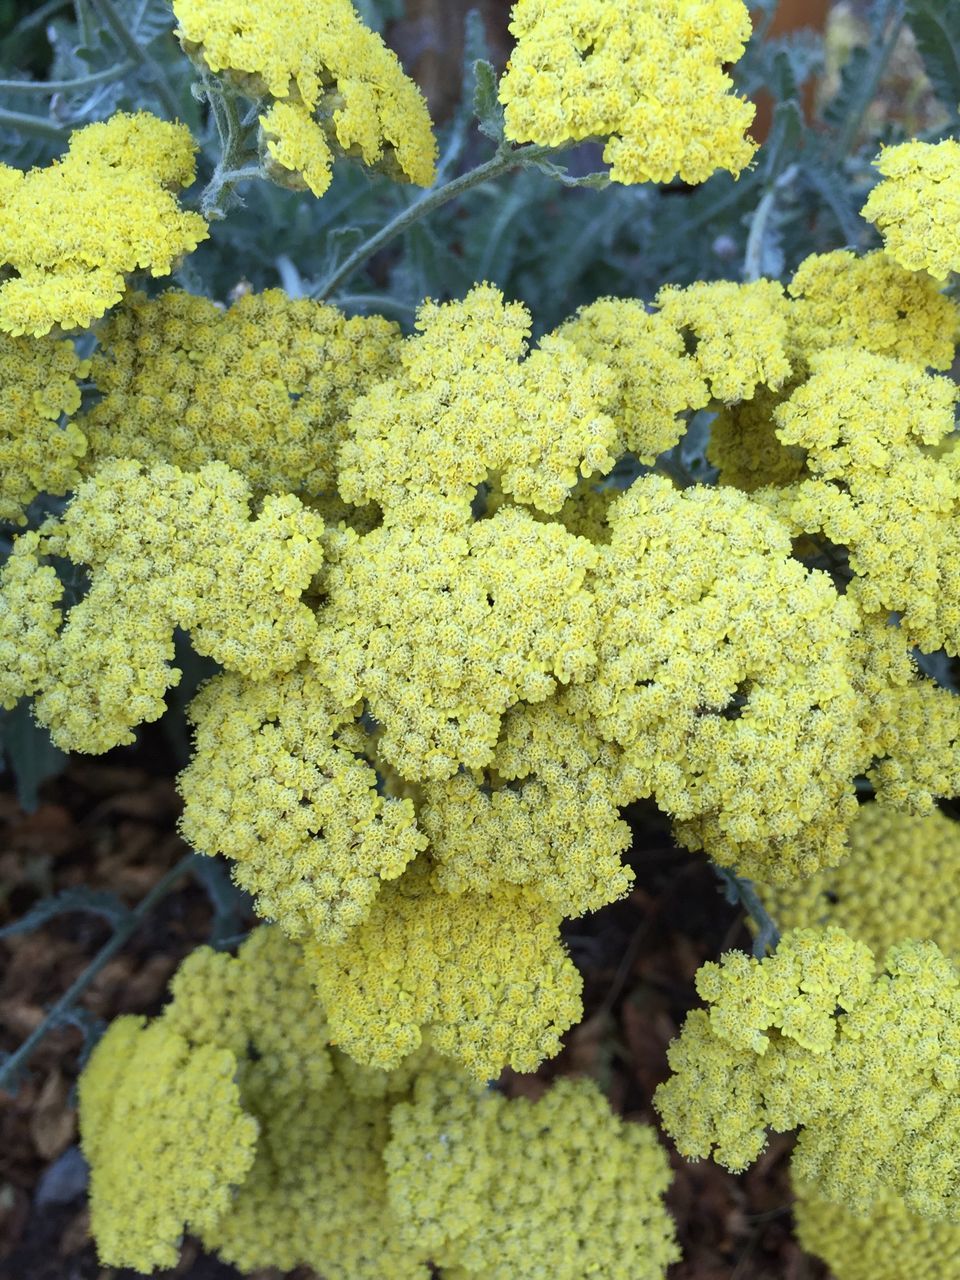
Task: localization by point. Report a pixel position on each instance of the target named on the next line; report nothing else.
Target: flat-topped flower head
(327, 86)
(916, 206)
(74, 231)
(645, 75)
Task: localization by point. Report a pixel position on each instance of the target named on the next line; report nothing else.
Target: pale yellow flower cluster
(327, 86)
(916, 206)
(645, 76)
(232, 1115)
(74, 231)
(862, 1059)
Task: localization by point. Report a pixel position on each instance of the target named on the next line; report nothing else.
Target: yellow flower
(331, 86)
(647, 75)
(73, 232)
(917, 205)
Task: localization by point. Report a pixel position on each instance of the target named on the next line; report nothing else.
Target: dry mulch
(112, 827)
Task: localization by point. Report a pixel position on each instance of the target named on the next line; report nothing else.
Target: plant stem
(139, 55)
(753, 257)
(504, 160)
(11, 1066)
(37, 126)
(868, 85)
(738, 890)
(69, 86)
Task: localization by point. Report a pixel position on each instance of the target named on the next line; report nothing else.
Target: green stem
(753, 257)
(18, 1059)
(868, 85)
(435, 198)
(139, 55)
(231, 167)
(741, 891)
(36, 126)
(69, 86)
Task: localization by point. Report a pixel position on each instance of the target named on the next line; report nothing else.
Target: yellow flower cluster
(889, 1243)
(163, 549)
(916, 207)
(332, 87)
(232, 1115)
(280, 782)
(867, 423)
(490, 615)
(894, 883)
(72, 232)
(166, 1138)
(499, 1189)
(724, 673)
(864, 1061)
(39, 453)
(657, 381)
(646, 75)
(484, 976)
(465, 403)
(265, 387)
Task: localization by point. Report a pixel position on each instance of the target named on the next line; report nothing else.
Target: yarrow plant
(477, 583)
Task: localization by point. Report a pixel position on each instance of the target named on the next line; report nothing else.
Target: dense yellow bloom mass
(484, 975)
(465, 403)
(279, 783)
(724, 672)
(265, 387)
(544, 815)
(72, 232)
(739, 333)
(163, 549)
(441, 631)
(336, 87)
(646, 75)
(867, 423)
(293, 1155)
(863, 1061)
(744, 447)
(916, 206)
(873, 304)
(896, 883)
(38, 454)
(890, 1243)
(166, 1139)
(498, 1189)
(657, 380)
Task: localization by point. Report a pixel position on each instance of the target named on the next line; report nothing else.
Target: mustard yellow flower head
(484, 976)
(657, 380)
(499, 1189)
(279, 784)
(265, 387)
(544, 815)
(466, 403)
(646, 75)
(725, 674)
(332, 87)
(166, 1138)
(896, 883)
(163, 549)
(30, 617)
(889, 1243)
(441, 631)
(739, 333)
(916, 207)
(872, 303)
(75, 230)
(38, 454)
(867, 423)
(863, 1059)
